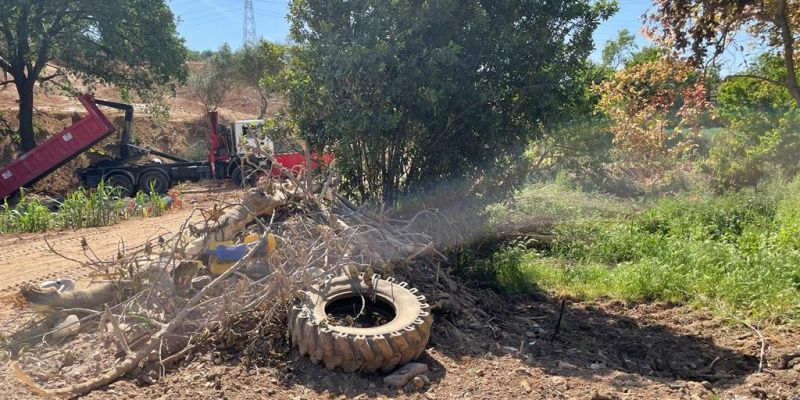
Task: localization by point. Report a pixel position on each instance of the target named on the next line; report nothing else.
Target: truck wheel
(155, 178)
(393, 328)
(245, 176)
(122, 182)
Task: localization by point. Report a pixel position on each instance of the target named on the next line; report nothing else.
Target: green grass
(738, 252)
(553, 202)
(82, 208)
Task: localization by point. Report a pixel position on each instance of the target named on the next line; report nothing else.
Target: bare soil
(603, 350)
(28, 258)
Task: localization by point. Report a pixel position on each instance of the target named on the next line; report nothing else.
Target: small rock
(522, 371)
(707, 385)
(526, 387)
(596, 366)
(77, 371)
(429, 396)
(418, 383)
(677, 385)
(481, 372)
(405, 374)
(696, 387)
(372, 385)
(600, 396)
(70, 326)
(200, 282)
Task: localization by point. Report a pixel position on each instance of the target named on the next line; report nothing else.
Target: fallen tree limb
(51, 299)
(255, 204)
(133, 359)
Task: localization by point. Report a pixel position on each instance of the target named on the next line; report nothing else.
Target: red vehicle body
(296, 162)
(124, 171)
(56, 151)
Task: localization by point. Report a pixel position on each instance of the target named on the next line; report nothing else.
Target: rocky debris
(198, 283)
(416, 384)
(70, 326)
(404, 375)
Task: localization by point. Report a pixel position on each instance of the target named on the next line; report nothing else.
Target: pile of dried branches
(160, 304)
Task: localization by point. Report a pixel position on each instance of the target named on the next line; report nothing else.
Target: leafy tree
(258, 67)
(129, 43)
(415, 94)
(694, 26)
(581, 144)
(741, 95)
(212, 82)
(645, 55)
(655, 109)
(755, 147)
(617, 51)
(763, 134)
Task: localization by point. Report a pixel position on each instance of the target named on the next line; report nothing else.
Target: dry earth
(603, 351)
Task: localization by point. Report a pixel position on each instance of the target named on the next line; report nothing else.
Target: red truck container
(56, 151)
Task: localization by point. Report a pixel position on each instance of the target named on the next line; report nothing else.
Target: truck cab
(247, 131)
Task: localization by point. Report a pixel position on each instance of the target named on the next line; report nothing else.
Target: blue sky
(207, 24)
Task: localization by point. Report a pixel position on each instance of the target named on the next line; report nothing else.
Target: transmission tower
(249, 35)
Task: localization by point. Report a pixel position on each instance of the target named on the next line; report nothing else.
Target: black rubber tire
(352, 349)
(236, 177)
(121, 181)
(245, 176)
(159, 178)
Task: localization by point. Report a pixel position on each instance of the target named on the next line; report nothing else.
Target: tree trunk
(262, 104)
(788, 52)
(25, 91)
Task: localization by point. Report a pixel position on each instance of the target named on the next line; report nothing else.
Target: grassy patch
(82, 208)
(552, 202)
(739, 252)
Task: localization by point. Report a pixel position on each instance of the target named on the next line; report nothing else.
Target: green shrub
(82, 208)
(738, 251)
(502, 270)
(28, 215)
(754, 148)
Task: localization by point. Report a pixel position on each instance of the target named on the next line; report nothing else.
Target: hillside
(182, 133)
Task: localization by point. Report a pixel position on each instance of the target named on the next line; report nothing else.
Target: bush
(758, 146)
(501, 271)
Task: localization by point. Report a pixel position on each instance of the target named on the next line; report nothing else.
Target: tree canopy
(413, 94)
(617, 51)
(692, 27)
(132, 44)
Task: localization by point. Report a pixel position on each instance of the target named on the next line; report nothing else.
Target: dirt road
(27, 258)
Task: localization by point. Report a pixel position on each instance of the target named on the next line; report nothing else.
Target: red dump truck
(127, 171)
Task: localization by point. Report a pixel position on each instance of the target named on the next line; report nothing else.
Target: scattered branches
(155, 320)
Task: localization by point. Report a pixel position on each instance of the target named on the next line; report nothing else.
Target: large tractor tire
(394, 332)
